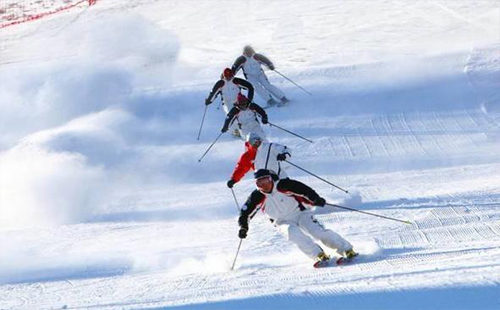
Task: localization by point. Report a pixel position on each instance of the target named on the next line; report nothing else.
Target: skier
(245, 113)
(260, 155)
(229, 87)
(251, 63)
(283, 201)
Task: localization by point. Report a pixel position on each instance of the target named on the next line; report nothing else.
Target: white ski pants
(264, 88)
(300, 229)
(246, 129)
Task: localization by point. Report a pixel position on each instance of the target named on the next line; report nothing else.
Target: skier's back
(251, 63)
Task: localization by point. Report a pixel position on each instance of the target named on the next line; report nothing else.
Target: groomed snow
(104, 205)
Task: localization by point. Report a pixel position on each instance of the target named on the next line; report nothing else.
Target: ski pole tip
(408, 222)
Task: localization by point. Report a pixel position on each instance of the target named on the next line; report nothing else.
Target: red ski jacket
(245, 163)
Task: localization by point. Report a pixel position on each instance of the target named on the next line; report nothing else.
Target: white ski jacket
(284, 202)
(266, 158)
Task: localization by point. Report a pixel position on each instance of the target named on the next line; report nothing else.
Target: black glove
(320, 202)
(243, 233)
(231, 183)
(224, 129)
(281, 157)
(207, 101)
(271, 67)
(265, 121)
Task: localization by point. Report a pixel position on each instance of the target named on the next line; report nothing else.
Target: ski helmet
(262, 173)
(242, 101)
(248, 50)
(227, 73)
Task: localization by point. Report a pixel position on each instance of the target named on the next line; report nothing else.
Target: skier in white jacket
(229, 87)
(251, 63)
(283, 201)
(260, 155)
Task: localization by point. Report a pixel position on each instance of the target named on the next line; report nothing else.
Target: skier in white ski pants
(251, 63)
(282, 200)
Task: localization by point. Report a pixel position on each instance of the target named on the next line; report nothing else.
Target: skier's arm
(242, 167)
(263, 59)
(299, 189)
(250, 207)
(229, 118)
(245, 84)
(238, 63)
(263, 115)
(215, 91)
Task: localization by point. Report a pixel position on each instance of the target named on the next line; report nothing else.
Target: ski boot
(323, 260)
(271, 102)
(236, 133)
(283, 101)
(349, 255)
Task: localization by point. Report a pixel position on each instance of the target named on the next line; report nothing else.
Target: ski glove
(271, 67)
(224, 129)
(207, 101)
(320, 202)
(230, 183)
(265, 121)
(243, 233)
(282, 157)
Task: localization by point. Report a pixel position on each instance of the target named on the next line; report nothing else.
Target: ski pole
(202, 120)
(293, 82)
(235, 200)
(372, 214)
(199, 160)
(271, 124)
(340, 188)
(237, 252)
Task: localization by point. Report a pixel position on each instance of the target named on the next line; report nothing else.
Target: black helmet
(261, 173)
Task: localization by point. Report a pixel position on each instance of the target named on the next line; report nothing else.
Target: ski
(332, 262)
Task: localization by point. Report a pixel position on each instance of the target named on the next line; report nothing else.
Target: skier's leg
(227, 107)
(305, 243)
(259, 89)
(234, 129)
(258, 130)
(329, 238)
(255, 127)
(275, 91)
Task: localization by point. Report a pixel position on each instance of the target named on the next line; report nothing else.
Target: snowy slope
(103, 204)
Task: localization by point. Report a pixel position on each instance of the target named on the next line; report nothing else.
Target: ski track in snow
(419, 144)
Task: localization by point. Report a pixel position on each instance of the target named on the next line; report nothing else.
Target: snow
(103, 203)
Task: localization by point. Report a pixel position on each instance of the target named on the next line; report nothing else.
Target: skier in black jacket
(244, 114)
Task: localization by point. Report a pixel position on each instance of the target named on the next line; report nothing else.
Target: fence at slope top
(15, 12)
